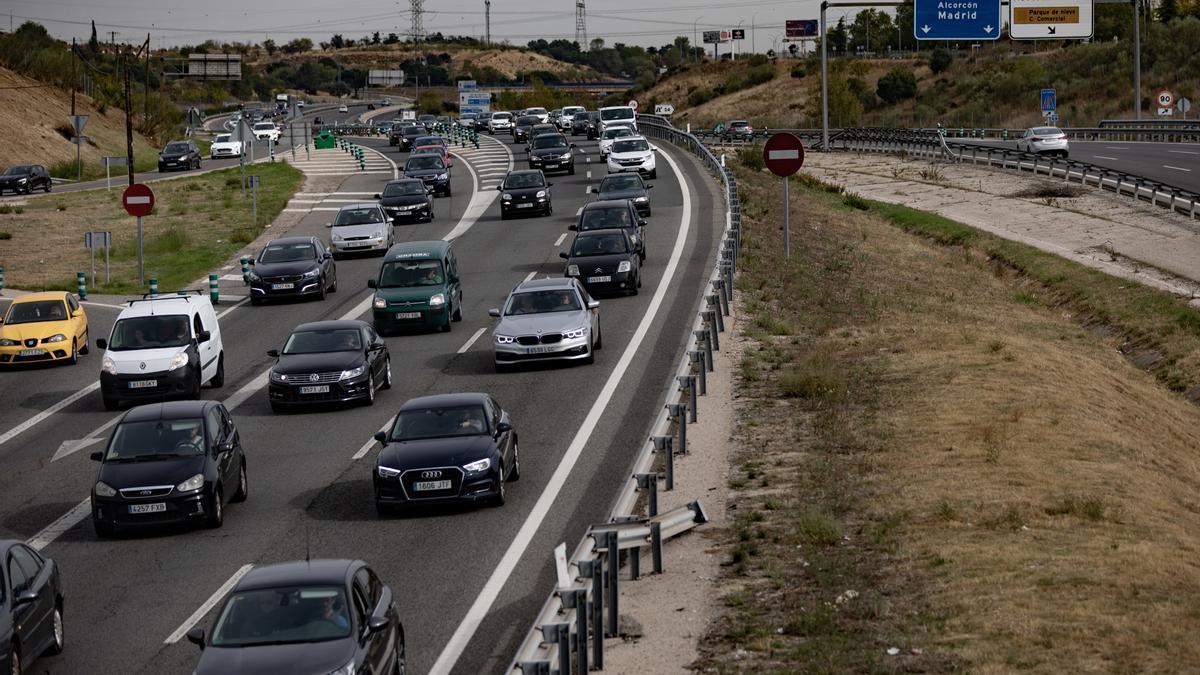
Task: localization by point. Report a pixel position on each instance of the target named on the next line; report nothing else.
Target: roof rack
(185, 294)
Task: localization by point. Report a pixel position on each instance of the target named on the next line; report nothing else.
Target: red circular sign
(783, 154)
(138, 200)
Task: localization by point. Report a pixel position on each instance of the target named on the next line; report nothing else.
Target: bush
(700, 97)
(799, 71)
(5, 235)
(751, 157)
(897, 85)
(940, 60)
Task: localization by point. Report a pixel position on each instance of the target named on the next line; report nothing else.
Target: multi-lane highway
(129, 600)
(1172, 163)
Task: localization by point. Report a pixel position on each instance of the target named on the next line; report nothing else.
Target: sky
(179, 22)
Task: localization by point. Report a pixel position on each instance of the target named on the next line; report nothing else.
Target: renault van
(417, 287)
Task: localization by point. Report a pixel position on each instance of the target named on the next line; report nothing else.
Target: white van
(617, 113)
(162, 348)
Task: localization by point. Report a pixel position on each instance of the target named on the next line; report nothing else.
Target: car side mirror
(327, 256)
(371, 283)
(378, 623)
(594, 190)
(573, 227)
(75, 314)
(574, 146)
(380, 436)
(273, 353)
(549, 184)
(499, 188)
(102, 343)
(24, 598)
(649, 187)
(251, 261)
(564, 255)
(495, 311)
(204, 336)
(377, 196)
(328, 224)
(641, 221)
(593, 304)
(97, 456)
(196, 637)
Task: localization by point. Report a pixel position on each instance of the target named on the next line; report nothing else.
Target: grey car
(362, 227)
(546, 320)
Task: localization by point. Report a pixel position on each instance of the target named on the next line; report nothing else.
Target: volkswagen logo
(431, 474)
(142, 365)
(314, 378)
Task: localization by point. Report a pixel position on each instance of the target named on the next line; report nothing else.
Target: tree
(871, 30)
(596, 44)
(270, 46)
(356, 78)
(93, 43)
(940, 60)
(392, 39)
(298, 46)
(337, 41)
(793, 49)
(375, 39)
(897, 85)
(839, 37)
(339, 89)
(429, 102)
(1168, 10)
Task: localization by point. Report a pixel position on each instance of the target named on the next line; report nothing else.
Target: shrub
(798, 71)
(940, 60)
(700, 97)
(751, 157)
(897, 85)
(5, 235)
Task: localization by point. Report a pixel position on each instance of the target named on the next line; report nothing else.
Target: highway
(128, 600)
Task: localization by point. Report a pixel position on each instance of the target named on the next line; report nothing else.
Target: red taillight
(1036, 139)
(1063, 137)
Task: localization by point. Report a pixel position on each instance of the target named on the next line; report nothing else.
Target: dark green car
(417, 287)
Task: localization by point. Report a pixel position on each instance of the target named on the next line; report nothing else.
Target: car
(552, 319)
(625, 186)
(446, 448)
(49, 327)
(539, 130)
(169, 463)
(734, 130)
(31, 607)
(427, 119)
(609, 214)
(292, 267)
(552, 152)
(386, 101)
(223, 145)
(267, 131)
(499, 121)
(540, 113)
(520, 129)
(344, 109)
(468, 120)
(182, 155)
(566, 121)
(1044, 140)
(25, 178)
(445, 120)
(370, 106)
(329, 362)
(610, 135)
(406, 199)
(418, 287)
(317, 121)
(432, 170)
(360, 227)
(632, 154)
(588, 124)
(437, 151)
(605, 261)
(409, 134)
(160, 348)
(618, 114)
(314, 616)
(525, 191)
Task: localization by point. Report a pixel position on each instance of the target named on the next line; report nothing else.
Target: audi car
(47, 327)
(31, 607)
(360, 228)
(432, 170)
(329, 362)
(605, 261)
(546, 320)
(629, 186)
(617, 213)
(525, 192)
(446, 448)
(406, 199)
(292, 267)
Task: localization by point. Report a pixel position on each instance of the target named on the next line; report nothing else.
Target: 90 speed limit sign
(1165, 99)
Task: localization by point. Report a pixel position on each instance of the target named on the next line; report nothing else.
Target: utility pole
(74, 74)
(487, 22)
(124, 58)
(146, 87)
(580, 25)
(418, 19)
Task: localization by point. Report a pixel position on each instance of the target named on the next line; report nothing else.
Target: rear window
(176, 147)
(524, 180)
(623, 113)
(1047, 131)
(425, 162)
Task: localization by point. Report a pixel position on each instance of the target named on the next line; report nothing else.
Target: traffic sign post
(633, 104)
(1050, 19)
(783, 154)
(93, 241)
(254, 190)
(1184, 106)
(1165, 100)
(1049, 99)
(138, 200)
(965, 20)
(110, 162)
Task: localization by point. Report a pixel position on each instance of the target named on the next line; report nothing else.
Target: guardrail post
(704, 338)
(1, 279)
(81, 283)
(635, 563)
(214, 291)
(597, 615)
(714, 312)
(534, 667)
(649, 482)
(553, 633)
(697, 358)
(656, 547)
(727, 270)
(613, 563)
(245, 270)
(688, 382)
(581, 629)
(665, 444)
(722, 293)
(154, 287)
(678, 412)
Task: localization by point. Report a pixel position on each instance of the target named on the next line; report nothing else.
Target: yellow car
(43, 327)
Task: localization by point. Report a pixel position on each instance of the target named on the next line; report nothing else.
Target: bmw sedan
(446, 448)
(31, 607)
(292, 267)
(605, 261)
(407, 200)
(328, 362)
(552, 152)
(360, 228)
(546, 320)
(629, 186)
(525, 192)
(311, 617)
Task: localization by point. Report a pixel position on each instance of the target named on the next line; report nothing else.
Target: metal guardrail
(1101, 133)
(576, 614)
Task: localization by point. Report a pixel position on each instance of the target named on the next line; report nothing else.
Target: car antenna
(307, 556)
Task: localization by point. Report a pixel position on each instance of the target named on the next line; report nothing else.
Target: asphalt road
(308, 493)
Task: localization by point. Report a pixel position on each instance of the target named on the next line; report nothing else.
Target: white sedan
(223, 145)
(344, 109)
(1048, 140)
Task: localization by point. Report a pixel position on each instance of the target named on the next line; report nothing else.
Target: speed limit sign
(1165, 99)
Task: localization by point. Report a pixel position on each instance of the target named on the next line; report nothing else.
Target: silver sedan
(360, 228)
(1048, 140)
(546, 320)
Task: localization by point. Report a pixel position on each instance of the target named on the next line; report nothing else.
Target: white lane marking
(579, 211)
(463, 349)
(530, 276)
(33, 421)
(520, 543)
(64, 523)
(589, 174)
(89, 303)
(558, 242)
(1113, 147)
(587, 160)
(208, 604)
(1177, 168)
(480, 201)
(1184, 152)
(1103, 157)
(362, 452)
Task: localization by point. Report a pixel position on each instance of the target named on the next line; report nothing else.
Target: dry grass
(1011, 492)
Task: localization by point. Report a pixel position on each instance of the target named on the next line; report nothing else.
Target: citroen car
(48, 327)
(329, 362)
(407, 200)
(546, 320)
(525, 192)
(417, 287)
(360, 228)
(178, 462)
(25, 178)
(325, 617)
(629, 186)
(432, 170)
(181, 155)
(632, 154)
(31, 607)
(610, 135)
(446, 448)
(292, 267)
(605, 261)
(616, 213)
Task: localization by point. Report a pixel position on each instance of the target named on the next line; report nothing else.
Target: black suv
(182, 155)
(552, 152)
(25, 178)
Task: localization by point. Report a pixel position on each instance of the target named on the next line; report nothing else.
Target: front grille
(146, 492)
(547, 339)
(314, 378)
(31, 342)
(37, 357)
(412, 476)
(290, 278)
(629, 162)
(355, 238)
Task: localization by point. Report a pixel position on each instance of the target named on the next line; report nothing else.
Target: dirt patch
(1049, 190)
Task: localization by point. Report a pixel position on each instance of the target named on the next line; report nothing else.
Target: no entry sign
(783, 154)
(138, 200)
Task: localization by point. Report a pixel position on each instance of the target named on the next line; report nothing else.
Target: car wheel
(387, 374)
(48, 184)
(500, 497)
(216, 509)
(599, 343)
(457, 316)
(333, 286)
(243, 488)
(60, 633)
(571, 171)
(653, 173)
(321, 290)
(74, 353)
(103, 529)
(447, 193)
(446, 327)
(591, 357)
(218, 380)
(197, 384)
(515, 474)
(370, 399)
(255, 300)
(503, 214)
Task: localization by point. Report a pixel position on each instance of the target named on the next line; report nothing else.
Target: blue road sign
(1052, 117)
(1049, 99)
(957, 19)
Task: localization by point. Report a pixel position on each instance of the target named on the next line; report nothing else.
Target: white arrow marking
(925, 28)
(987, 29)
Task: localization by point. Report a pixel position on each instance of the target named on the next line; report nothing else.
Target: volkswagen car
(329, 362)
(525, 191)
(552, 152)
(406, 200)
(48, 327)
(499, 121)
(605, 261)
(632, 154)
(546, 320)
(292, 267)
(431, 169)
(360, 228)
(446, 448)
(620, 186)
(31, 607)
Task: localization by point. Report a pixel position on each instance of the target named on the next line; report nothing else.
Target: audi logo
(314, 377)
(431, 474)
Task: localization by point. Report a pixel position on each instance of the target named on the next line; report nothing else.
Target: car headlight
(380, 303)
(541, 193)
(572, 270)
(642, 200)
(575, 334)
(377, 234)
(194, 483)
(504, 339)
(437, 300)
(253, 276)
(59, 337)
(104, 490)
(5, 342)
(624, 266)
(23, 180)
(482, 465)
(506, 197)
(566, 155)
(354, 372)
(312, 274)
(347, 669)
(109, 366)
(179, 361)
(443, 176)
(335, 237)
(387, 471)
(278, 377)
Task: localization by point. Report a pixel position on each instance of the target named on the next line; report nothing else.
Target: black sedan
(431, 170)
(292, 267)
(446, 448)
(605, 261)
(409, 134)
(313, 616)
(617, 213)
(169, 463)
(619, 186)
(406, 200)
(329, 361)
(25, 178)
(587, 123)
(182, 155)
(552, 152)
(520, 130)
(31, 607)
(525, 192)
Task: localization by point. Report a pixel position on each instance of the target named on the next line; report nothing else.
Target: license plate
(598, 280)
(148, 508)
(551, 165)
(315, 389)
(32, 352)
(282, 287)
(143, 384)
(422, 486)
(408, 315)
(524, 206)
(538, 350)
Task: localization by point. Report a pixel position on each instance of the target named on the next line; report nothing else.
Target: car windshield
(414, 131)
(412, 425)
(323, 340)
(264, 126)
(527, 121)
(223, 138)
(407, 273)
(17, 170)
(601, 244)
(1046, 131)
(33, 312)
(150, 332)
(535, 111)
(285, 615)
(502, 116)
(424, 162)
(156, 439)
(635, 145)
(176, 148)
(429, 150)
(618, 132)
(429, 140)
(621, 182)
(524, 180)
(279, 253)
(616, 114)
(406, 188)
(543, 142)
(540, 302)
(358, 216)
(599, 219)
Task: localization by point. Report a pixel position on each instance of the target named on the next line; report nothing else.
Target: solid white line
(1113, 147)
(463, 349)
(1177, 168)
(65, 522)
(208, 604)
(520, 543)
(530, 276)
(1103, 157)
(558, 242)
(362, 452)
(478, 205)
(33, 421)
(1184, 152)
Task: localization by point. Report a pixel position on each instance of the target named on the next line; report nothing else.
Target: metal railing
(1101, 133)
(584, 612)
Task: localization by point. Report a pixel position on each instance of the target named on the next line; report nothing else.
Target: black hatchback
(31, 607)
(25, 178)
(605, 261)
(615, 213)
(618, 186)
(292, 267)
(179, 155)
(311, 616)
(525, 192)
(169, 463)
(407, 200)
(329, 362)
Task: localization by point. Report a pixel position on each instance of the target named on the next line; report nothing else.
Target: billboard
(712, 37)
(801, 28)
(214, 66)
(739, 33)
(385, 78)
